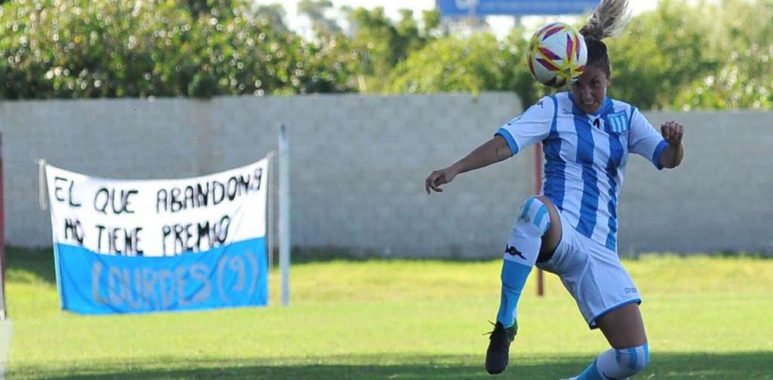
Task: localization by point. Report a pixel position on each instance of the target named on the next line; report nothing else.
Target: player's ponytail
(607, 20)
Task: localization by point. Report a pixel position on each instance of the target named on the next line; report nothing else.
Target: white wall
(359, 163)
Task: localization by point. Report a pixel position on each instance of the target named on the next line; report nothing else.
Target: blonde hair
(607, 20)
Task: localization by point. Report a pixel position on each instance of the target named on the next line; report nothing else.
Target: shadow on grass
(38, 262)
(327, 254)
(746, 365)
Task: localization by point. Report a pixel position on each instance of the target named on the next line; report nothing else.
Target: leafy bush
(678, 56)
(111, 48)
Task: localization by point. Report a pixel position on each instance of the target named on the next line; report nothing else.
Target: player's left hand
(672, 132)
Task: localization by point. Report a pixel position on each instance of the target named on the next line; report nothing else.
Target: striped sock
(520, 255)
(617, 364)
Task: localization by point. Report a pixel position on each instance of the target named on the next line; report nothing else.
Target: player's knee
(534, 212)
(632, 360)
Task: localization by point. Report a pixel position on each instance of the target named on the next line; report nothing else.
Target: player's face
(590, 89)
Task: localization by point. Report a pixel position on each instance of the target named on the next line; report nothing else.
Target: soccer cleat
(498, 351)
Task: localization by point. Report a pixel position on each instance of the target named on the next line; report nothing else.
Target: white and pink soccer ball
(557, 54)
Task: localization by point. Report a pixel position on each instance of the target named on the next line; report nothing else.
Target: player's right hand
(438, 178)
(672, 132)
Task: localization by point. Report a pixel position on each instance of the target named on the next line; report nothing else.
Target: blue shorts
(592, 273)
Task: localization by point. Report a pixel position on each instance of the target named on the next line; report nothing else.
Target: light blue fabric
(585, 157)
(590, 373)
(617, 364)
(234, 275)
(513, 279)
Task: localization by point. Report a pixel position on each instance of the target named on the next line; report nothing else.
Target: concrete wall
(359, 163)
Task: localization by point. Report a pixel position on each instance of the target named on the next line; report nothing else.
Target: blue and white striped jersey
(585, 155)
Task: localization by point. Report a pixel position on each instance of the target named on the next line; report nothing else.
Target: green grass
(707, 318)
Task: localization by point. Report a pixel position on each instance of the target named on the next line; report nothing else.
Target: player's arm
(528, 128)
(672, 156)
(494, 150)
(663, 149)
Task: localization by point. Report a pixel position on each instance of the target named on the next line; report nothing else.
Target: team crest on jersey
(617, 122)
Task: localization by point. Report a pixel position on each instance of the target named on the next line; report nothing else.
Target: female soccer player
(571, 229)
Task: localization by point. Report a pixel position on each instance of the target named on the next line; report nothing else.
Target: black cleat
(499, 348)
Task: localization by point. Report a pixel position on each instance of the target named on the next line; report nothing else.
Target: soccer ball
(557, 54)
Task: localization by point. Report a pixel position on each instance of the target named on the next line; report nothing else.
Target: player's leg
(536, 228)
(624, 330)
(536, 232)
(623, 327)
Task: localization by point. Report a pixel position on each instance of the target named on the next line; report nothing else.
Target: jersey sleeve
(531, 126)
(644, 139)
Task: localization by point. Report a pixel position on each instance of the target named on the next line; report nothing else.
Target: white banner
(158, 217)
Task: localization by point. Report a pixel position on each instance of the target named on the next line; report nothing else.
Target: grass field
(707, 318)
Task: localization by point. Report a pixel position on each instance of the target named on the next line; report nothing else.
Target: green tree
(744, 34)
(216, 7)
(380, 44)
(111, 48)
(316, 11)
(330, 55)
(476, 63)
(660, 52)
(677, 57)
(709, 55)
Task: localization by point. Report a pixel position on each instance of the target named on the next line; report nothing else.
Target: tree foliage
(744, 42)
(715, 56)
(474, 63)
(110, 48)
(381, 44)
(661, 52)
(679, 56)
